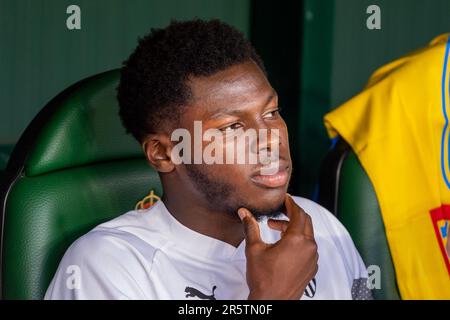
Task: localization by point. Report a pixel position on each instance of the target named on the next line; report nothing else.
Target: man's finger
(279, 225)
(251, 227)
(309, 228)
(295, 214)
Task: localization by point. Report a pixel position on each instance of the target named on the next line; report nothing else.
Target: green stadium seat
(345, 190)
(73, 168)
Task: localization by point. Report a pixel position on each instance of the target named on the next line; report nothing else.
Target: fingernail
(241, 214)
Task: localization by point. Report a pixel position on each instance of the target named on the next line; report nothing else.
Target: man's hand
(281, 270)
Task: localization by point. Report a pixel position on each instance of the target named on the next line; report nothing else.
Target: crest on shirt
(147, 202)
(441, 221)
(310, 290)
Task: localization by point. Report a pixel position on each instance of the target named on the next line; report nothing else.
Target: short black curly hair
(153, 89)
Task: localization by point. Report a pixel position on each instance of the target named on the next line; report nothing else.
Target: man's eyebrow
(227, 112)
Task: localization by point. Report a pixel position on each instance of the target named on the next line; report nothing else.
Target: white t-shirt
(148, 254)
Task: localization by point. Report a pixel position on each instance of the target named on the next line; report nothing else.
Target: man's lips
(276, 180)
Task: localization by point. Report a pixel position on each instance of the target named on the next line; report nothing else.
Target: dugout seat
(73, 168)
(346, 191)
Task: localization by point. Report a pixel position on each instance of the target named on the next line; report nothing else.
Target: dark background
(318, 53)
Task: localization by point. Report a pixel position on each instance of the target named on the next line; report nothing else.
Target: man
(214, 234)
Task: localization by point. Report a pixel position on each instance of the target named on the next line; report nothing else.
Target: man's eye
(272, 113)
(231, 127)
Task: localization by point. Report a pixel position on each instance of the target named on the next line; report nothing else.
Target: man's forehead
(238, 83)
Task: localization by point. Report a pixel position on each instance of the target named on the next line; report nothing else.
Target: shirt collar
(188, 239)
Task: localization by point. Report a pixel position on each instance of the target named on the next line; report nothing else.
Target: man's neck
(200, 218)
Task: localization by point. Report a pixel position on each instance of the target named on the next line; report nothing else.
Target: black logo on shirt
(192, 292)
(310, 289)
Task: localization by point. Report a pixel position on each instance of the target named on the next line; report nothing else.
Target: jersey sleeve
(103, 265)
(355, 265)
(356, 272)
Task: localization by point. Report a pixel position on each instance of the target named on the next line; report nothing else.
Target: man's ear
(157, 148)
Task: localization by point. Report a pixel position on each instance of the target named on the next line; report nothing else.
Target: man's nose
(267, 139)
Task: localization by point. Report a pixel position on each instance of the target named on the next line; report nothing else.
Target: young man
(213, 235)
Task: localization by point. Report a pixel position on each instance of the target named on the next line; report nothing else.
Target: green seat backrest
(73, 168)
(345, 189)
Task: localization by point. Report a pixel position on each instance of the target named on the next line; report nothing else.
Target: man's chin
(269, 203)
(260, 214)
(269, 209)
